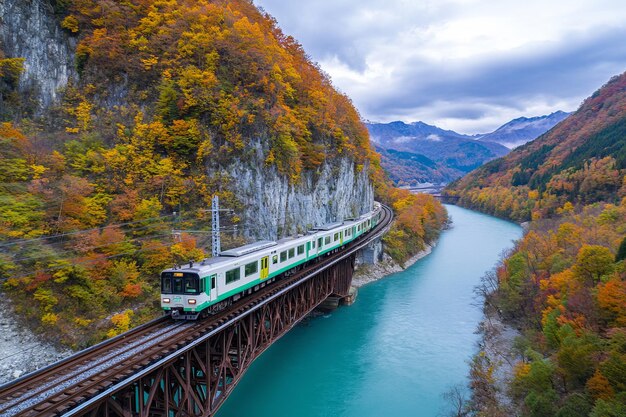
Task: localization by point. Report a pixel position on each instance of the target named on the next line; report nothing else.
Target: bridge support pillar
(372, 253)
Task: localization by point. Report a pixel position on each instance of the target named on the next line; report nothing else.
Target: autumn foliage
(580, 161)
(170, 92)
(564, 284)
(419, 220)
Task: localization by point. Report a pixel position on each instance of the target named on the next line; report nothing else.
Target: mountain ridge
(580, 161)
(454, 154)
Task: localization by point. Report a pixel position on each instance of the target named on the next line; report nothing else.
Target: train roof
(328, 226)
(246, 249)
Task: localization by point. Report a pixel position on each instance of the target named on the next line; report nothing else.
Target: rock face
(274, 208)
(22, 351)
(29, 29)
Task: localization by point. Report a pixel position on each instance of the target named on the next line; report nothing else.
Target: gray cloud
(429, 62)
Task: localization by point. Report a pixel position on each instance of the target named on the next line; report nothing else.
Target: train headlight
(191, 301)
(166, 300)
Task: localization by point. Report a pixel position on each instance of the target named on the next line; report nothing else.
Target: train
(198, 289)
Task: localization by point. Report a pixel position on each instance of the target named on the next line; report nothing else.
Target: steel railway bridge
(168, 369)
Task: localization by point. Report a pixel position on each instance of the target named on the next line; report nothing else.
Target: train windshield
(180, 283)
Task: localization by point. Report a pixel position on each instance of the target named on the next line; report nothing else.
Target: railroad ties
(167, 367)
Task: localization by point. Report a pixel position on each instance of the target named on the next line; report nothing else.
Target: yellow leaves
(49, 319)
(196, 86)
(82, 114)
(148, 209)
(568, 208)
(11, 69)
(46, 299)
(521, 370)
(82, 322)
(149, 62)
(204, 150)
(38, 171)
(70, 23)
(271, 158)
(121, 323)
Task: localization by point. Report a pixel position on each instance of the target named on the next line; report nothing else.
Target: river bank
(366, 273)
(493, 366)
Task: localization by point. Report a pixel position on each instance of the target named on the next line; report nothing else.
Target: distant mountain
(524, 129)
(406, 147)
(406, 168)
(453, 154)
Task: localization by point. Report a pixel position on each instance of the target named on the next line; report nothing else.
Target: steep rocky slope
(29, 30)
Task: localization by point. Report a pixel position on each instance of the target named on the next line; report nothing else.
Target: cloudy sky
(467, 65)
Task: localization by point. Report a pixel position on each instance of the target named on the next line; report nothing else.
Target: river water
(406, 340)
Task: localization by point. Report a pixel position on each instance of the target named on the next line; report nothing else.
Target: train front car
(183, 293)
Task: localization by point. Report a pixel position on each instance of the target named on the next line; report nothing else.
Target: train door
(265, 267)
(341, 238)
(308, 248)
(212, 293)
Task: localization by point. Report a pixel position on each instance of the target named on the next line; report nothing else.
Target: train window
(251, 268)
(327, 240)
(283, 256)
(336, 237)
(313, 244)
(233, 275)
(202, 285)
(166, 283)
(292, 252)
(177, 285)
(300, 249)
(275, 259)
(191, 285)
(319, 242)
(213, 279)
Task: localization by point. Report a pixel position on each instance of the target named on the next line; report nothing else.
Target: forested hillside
(564, 283)
(171, 103)
(580, 161)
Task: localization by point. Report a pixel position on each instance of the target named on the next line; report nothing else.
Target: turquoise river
(405, 341)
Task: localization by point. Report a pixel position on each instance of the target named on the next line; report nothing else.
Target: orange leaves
(419, 219)
(599, 386)
(611, 298)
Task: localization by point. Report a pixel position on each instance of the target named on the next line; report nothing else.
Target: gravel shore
(366, 273)
(21, 351)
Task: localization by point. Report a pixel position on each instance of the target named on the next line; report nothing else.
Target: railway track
(63, 385)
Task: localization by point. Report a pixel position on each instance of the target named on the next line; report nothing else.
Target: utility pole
(216, 246)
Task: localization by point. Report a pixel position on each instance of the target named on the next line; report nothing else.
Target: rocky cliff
(275, 208)
(30, 30)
